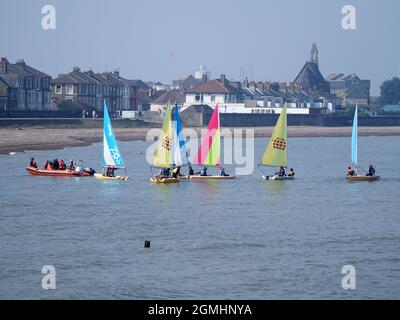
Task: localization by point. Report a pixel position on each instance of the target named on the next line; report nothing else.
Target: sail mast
(354, 138)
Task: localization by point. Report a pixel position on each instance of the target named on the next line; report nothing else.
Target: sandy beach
(19, 140)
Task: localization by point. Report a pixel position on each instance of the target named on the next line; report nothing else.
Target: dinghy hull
(278, 178)
(163, 180)
(212, 177)
(362, 178)
(102, 177)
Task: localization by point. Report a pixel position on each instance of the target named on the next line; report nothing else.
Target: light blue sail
(179, 149)
(111, 154)
(354, 138)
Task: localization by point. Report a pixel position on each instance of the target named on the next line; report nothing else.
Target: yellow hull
(212, 177)
(102, 177)
(183, 177)
(362, 178)
(163, 180)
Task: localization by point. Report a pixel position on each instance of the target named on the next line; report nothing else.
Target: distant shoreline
(19, 140)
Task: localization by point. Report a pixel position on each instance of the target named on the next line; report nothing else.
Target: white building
(199, 74)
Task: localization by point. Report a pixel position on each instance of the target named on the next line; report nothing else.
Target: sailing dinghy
(112, 158)
(276, 153)
(171, 149)
(209, 152)
(354, 152)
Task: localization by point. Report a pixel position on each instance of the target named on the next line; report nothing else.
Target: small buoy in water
(12, 153)
(147, 244)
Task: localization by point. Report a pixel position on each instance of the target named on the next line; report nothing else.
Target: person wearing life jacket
(71, 165)
(291, 173)
(350, 171)
(62, 165)
(371, 171)
(33, 163)
(191, 171)
(281, 172)
(203, 172)
(223, 173)
(176, 172)
(49, 165)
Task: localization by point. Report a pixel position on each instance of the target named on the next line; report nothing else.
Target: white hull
(276, 177)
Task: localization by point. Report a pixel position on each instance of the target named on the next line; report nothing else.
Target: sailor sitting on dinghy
(291, 173)
(281, 172)
(371, 171)
(350, 172)
(223, 173)
(33, 163)
(203, 172)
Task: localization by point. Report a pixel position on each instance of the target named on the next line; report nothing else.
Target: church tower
(314, 54)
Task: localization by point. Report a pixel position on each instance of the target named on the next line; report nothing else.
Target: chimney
(21, 63)
(282, 86)
(260, 85)
(222, 78)
(246, 83)
(267, 85)
(116, 73)
(76, 69)
(204, 78)
(3, 65)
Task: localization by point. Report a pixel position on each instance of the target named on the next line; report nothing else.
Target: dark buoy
(147, 244)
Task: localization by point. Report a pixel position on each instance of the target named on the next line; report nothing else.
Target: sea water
(236, 239)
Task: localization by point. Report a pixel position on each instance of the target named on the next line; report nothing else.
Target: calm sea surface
(240, 239)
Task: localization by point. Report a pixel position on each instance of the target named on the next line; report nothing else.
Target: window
(58, 88)
(70, 89)
(199, 97)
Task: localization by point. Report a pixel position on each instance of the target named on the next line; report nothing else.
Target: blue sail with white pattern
(179, 149)
(354, 147)
(111, 155)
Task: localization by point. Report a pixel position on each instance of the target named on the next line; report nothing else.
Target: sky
(159, 40)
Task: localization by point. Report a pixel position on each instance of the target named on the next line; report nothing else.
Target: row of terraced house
(24, 88)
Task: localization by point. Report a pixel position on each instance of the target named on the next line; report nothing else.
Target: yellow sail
(275, 154)
(162, 156)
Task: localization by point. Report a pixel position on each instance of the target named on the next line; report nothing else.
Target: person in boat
(281, 172)
(371, 171)
(350, 172)
(191, 171)
(71, 165)
(110, 172)
(48, 165)
(33, 163)
(222, 173)
(291, 173)
(203, 172)
(62, 165)
(176, 172)
(56, 164)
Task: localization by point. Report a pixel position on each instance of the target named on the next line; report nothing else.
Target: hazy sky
(162, 40)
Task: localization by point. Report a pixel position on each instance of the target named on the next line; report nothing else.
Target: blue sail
(111, 154)
(179, 150)
(354, 138)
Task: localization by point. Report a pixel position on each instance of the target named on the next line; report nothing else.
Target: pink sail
(209, 151)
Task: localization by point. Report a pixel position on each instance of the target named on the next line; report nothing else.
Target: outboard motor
(79, 170)
(90, 171)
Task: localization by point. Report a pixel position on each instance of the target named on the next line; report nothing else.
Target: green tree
(390, 92)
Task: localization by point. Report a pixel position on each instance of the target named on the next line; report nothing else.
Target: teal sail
(354, 138)
(179, 149)
(111, 155)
